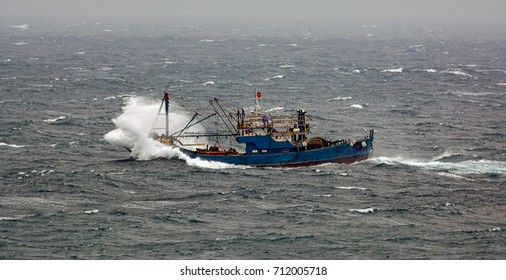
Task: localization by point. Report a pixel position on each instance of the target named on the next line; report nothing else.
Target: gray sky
(471, 11)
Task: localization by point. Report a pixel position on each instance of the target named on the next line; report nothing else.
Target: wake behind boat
(260, 139)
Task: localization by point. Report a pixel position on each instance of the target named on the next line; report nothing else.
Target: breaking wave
(134, 125)
(396, 70)
(275, 77)
(58, 119)
(341, 98)
(457, 72)
(464, 167)
(22, 26)
(364, 211)
(11, 145)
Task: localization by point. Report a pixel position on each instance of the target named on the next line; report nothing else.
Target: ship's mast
(258, 96)
(166, 101)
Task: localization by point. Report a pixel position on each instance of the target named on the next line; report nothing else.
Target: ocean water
(71, 92)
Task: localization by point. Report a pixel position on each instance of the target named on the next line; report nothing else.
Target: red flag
(259, 94)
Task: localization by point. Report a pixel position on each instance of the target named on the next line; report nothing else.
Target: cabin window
(286, 151)
(264, 151)
(254, 151)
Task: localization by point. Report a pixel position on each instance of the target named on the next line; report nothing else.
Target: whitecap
(356, 71)
(457, 72)
(468, 93)
(430, 70)
(450, 175)
(395, 70)
(501, 84)
(461, 168)
(94, 211)
(45, 172)
(107, 30)
(357, 106)
(274, 109)
(20, 43)
(209, 83)
(322, 195)
(206, 41)
(55, 120)
(293, 45)
(11, 145)
(342, 98)
(445, 155)
(364, 211)
(286, 66)
(80, 52)
(22, 26)
(352, 188)
(13, 218)
(225, 238)
(275, 77)
(109, 97)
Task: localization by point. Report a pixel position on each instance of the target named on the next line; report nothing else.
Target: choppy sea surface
(434, 189)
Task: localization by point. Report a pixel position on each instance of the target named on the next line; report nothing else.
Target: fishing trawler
(260, 139)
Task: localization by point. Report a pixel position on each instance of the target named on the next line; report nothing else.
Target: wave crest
(464, 167)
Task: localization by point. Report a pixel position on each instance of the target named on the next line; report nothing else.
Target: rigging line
(195, 123)
(225, 114)
(157, 116)
(228, 137)
(213, 114)
(186, 126)
(221, 117)
(229, 105)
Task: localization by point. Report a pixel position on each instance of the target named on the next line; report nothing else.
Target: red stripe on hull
(337, 160)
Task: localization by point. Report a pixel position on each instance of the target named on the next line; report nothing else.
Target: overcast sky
(471, 11)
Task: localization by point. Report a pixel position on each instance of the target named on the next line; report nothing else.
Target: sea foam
(464, 167)
(134, 125)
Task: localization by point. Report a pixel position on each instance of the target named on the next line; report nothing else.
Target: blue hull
(344, 153)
